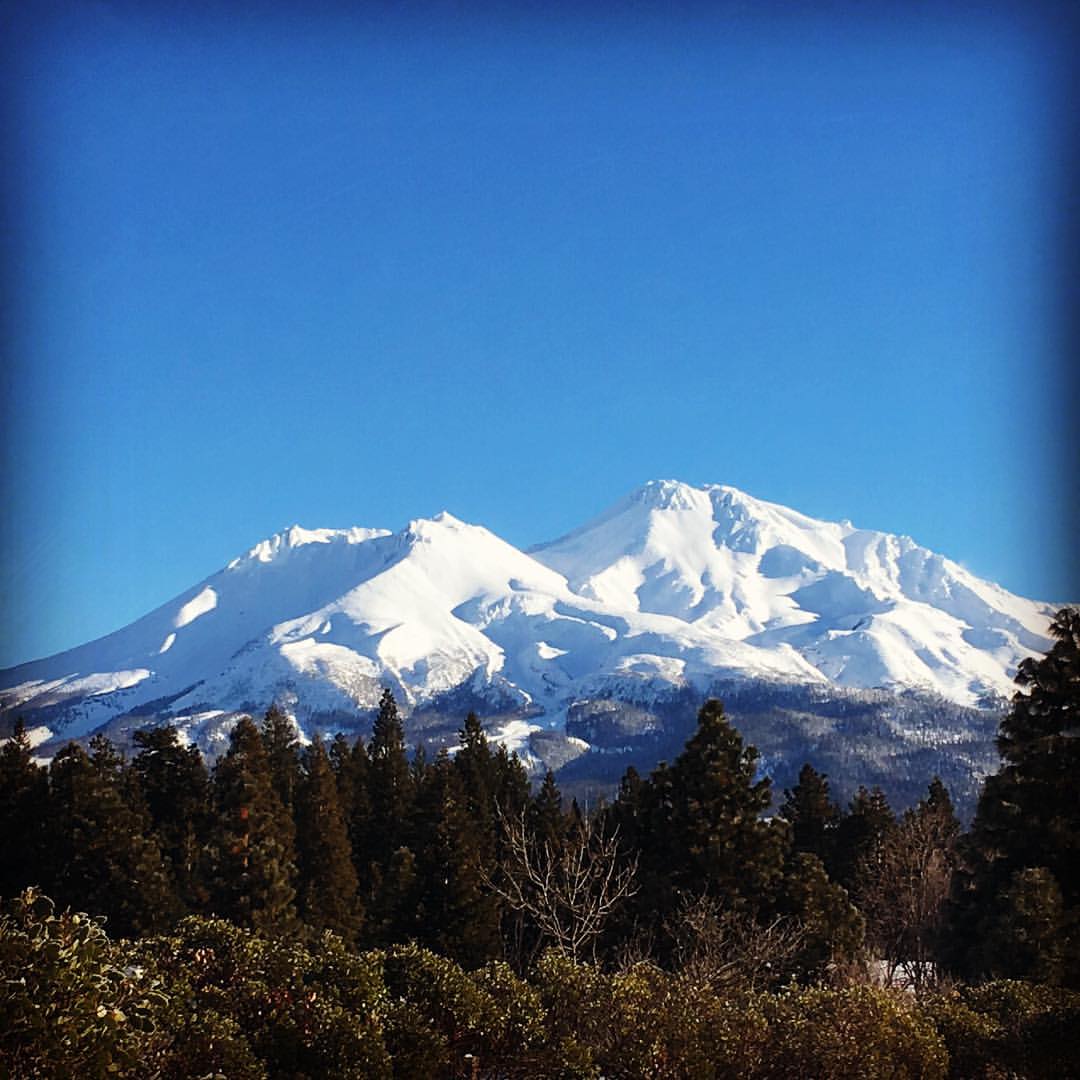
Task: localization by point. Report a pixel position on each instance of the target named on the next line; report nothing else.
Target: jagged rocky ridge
(876, 658)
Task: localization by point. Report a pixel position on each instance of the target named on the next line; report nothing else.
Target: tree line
(683, 874)
(457, 854)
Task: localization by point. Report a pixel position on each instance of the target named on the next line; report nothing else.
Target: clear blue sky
(339, 269)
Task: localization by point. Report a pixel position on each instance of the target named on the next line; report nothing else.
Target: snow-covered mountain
(670, 591)
(862, 608)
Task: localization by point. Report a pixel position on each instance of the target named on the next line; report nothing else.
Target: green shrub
(204, 1044)
(857, 1033)
(578, 1010)
(436, 1014)
(302, 1015)
(514, 1046)
(639, 1035)
(70, 1004)
(644, 1022)
(731, 1032)
(1037, 1026)
(354, 983)
(666, 1026)
(973, 1040)
(214, 1000)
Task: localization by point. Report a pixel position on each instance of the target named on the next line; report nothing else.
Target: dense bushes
(237, 999)
(857, 1033)
(213, 999)
(71, 1002)
(1009, 1028)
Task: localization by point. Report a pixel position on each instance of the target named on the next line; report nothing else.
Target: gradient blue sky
(353, 269)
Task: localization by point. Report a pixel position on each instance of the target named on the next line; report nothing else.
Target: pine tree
(353, 769)
(813, 816)
(1026, 931)
(625, 819)
(476, 766)
(176, 786)
(707, 835)
(484, 790)
(418, 767)
(1028, 819)
(626, 813)
(340, 755)
(389, 782)
(859, 834)
(937, 816)
(548, 825)
(24, 793)
(832, 928)
(547, 819)
(511, 782)
(457, 916)
(104, 855)
(327, 878)
(385, 860)
(512, 797)
(395, 898)
(651, 808)
(280, 736)
(1029, 811)
(254, 844)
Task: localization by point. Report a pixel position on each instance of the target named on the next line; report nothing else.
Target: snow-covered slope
(865, 608)
(675, 586)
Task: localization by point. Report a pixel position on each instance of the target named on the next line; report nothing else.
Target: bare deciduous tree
(902, 890)
(569, 890)
(721, 948)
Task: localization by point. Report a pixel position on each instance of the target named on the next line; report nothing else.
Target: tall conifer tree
(176, 786)
(478, 770)
(475, 764)
(104, 854)
(387, 864)
(1022, 869)
(860, 833)
(24, 792)
(813, 816)
(339, 753)
(626, 813)
(511, 783)
(396, 890)
(456, 914)
(254, 844)
(707, 829)
(547, 819)
(389, 782)
(281, 739)
(328, 884)
(353, 775)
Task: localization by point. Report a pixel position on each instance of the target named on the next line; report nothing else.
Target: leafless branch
(902, 890)
(570, 889)
(721, 948)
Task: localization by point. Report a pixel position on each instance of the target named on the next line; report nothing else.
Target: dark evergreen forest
(351, 909)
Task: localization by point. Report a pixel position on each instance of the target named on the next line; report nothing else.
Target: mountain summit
(673, 589)
(864, 608)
